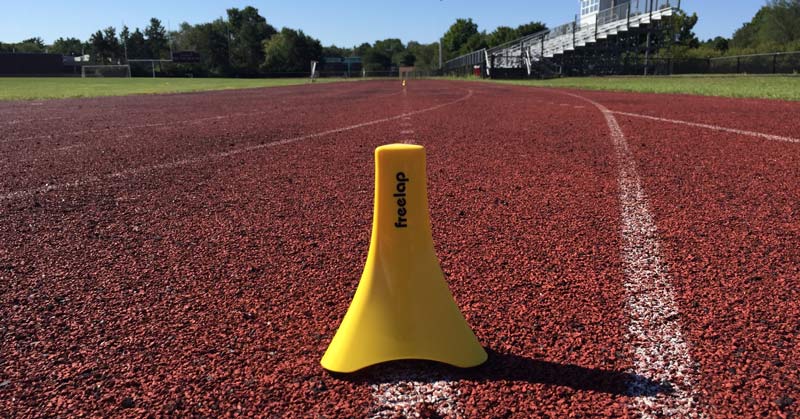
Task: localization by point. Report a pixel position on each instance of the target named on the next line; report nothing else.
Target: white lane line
(712, 127)
(661, 358)
(70, 147)
(404, 398)
(405, 395)
(201, 159)
(21, 121)
(156, 125)
(130, 127)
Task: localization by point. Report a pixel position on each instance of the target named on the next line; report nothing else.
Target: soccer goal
(106, 71)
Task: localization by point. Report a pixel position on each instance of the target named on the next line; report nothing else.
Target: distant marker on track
(660, 353)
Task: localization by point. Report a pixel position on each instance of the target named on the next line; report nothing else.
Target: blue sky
(340, 22)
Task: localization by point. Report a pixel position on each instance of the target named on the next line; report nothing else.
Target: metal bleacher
(533, 53)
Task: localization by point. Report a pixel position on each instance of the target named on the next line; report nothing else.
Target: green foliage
(681, 26)
(501, 35)
(157, 43)
(462, 37)
(776, 27)
(137, 45)
(70, 46)
(391, 52)
(248, 31)
(530, 28)
(290, 51)
(105, 47)
(720, 44)
(334, 51)
(32, 45)
(426, 56)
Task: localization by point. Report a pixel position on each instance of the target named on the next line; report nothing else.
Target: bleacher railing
(563, 37)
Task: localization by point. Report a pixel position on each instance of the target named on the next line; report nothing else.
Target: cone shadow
(510, 367)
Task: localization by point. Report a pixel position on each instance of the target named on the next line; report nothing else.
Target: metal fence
(774, 63)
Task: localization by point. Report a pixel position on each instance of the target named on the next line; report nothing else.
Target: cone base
(351, 368)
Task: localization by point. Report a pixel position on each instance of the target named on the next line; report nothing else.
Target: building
(590, 8)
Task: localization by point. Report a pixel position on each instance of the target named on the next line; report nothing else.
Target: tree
(32, 45)
(248, 30)
(72, 47)
(113, 47)
(782, 23)
(124, 38)
(362, 49)
(501, 35)
(683, 27)
(776, 27)
(334, 51)
(426, 55)
(720, 44)
(462, 37)
(156, 40)
(530, 28)
(407, 58)
(679, 39)
(290, 51)
(104, 46)
(137, 46)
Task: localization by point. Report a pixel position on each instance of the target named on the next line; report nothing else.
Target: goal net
(106, 71)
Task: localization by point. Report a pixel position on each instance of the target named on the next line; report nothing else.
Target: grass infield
(737, 86)
(36, 88)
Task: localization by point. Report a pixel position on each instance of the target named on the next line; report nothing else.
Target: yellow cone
(403, 308)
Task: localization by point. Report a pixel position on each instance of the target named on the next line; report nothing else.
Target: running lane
(526, 219)
(772, 117)
(727, 207)
(214, 286)
(195, 289)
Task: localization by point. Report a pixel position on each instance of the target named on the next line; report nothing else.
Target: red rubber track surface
(209, 284)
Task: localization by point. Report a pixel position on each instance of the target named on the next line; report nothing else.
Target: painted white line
(70, 147)
(157, 125)
(404, 398)
(712, 127)
(406, 395)
(130, 127)
(661, 359)
(22, 121)
(201, 159)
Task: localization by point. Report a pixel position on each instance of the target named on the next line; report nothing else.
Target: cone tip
(399, 147)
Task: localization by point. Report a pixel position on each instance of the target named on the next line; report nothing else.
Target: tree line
(244, 44)
(774, 28)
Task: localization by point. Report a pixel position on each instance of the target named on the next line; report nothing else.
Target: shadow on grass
(509, 367)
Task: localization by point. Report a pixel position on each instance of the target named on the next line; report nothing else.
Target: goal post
(314, 72)
(123, 71)
(407, 72)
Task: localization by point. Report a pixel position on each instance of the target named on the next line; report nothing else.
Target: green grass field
(12, 88)
(767, 87)
(739, 86)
